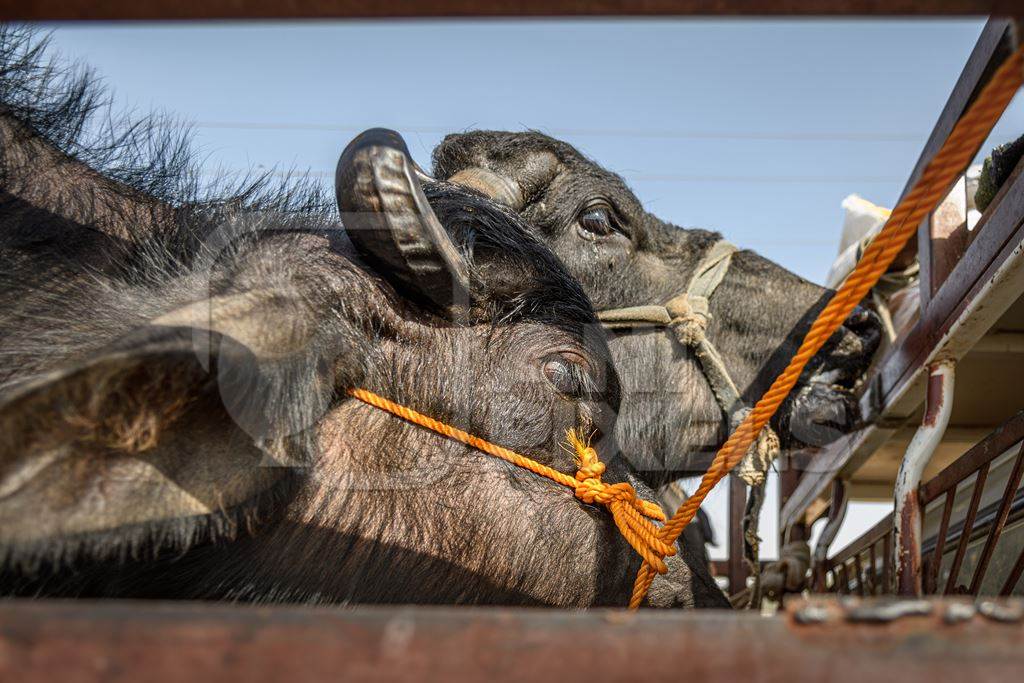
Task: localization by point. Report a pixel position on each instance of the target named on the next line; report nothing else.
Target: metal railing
(983, 488)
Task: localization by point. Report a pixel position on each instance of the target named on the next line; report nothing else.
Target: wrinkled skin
(378, 511)
(173, 421)
(625, 256)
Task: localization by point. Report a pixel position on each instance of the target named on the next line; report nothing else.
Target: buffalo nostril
(862, 332)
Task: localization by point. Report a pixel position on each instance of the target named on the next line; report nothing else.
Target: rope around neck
(632, 515)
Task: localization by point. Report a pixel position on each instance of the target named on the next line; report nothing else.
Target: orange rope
(957, 151)
(629, 512)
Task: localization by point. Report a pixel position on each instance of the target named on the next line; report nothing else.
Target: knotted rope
(632, 515)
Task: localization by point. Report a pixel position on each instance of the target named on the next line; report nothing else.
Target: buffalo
(624, 256)
(174, 420)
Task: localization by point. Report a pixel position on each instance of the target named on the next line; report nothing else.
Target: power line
(660, 177)
(802, 180)
(783, 136)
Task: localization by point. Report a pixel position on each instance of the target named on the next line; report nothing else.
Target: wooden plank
(49, 10)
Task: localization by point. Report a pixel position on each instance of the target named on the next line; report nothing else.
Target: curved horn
(388, 219)
(499, 188)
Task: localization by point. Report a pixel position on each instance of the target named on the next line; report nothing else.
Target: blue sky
(757, 129)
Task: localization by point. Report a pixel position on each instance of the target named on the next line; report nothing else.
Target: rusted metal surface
(908, 508)
(975, 462)
(836, 515)
(293, 9)
(851, 640)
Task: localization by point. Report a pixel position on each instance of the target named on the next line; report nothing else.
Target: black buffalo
(173, 416)
(625, 256)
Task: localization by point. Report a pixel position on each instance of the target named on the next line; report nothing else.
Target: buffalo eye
(596, 222)
(566, 375)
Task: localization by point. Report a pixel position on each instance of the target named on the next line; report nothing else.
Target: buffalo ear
(133, 443)
(388, 219)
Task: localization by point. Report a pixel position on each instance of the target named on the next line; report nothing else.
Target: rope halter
(687, 316)
(631, 514)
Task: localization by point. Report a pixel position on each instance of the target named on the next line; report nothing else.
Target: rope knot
(632, 515)
(690, 318)
(753, 469)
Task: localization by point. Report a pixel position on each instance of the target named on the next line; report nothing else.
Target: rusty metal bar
(1014, 576)
(985, 451)
(50, 10)
(872, 559)
(887, 562)
(872, 535)
(790, 473)
(854, 640)
(737, 507)
(932, 582)
(844, 584)
(968, 527)
(997, 526)
(836, 515)
(907, 513)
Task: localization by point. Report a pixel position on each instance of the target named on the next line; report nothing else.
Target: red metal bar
(737, 506)
(908, 513)
(997, 526)
(836, 515)
(789, 479)
(872, 559)
(123, 642)
(940, 543)
(985, 451)
(965, 534)
(881, 529)
(844, 584)
(49, 10)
